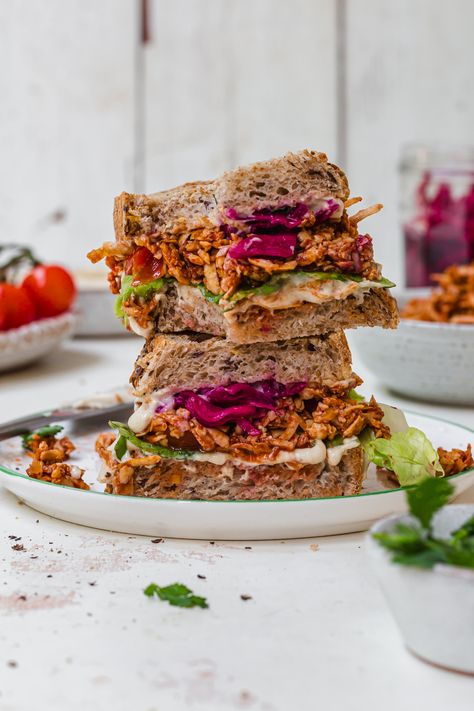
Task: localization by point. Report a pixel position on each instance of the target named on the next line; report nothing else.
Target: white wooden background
(88, 108)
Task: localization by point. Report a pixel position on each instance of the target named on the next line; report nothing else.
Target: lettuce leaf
(354, 395)
(427, 498)
(143, 291)
(278, 281)
(208, 295)
(127, 435)
(410, 455)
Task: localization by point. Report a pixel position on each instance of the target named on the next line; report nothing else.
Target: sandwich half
(266, 252)
(246, 422)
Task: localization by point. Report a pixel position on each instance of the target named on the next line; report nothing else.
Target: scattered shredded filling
(452, 302)
(49, 455)
(244, 252)
(455, 460)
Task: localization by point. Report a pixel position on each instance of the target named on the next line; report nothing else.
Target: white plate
(219, 520)
(24, 345)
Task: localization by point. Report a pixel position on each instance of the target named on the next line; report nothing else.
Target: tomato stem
(12, 258)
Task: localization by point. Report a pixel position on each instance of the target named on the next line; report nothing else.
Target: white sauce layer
(139, 330)
(143, 415)
(314, 292)
(316, 454)
(335, 454)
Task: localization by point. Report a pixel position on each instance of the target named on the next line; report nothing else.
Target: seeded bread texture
(173, 479)
(295, 177)
(192, 360)
(187, 310)
(302, 177)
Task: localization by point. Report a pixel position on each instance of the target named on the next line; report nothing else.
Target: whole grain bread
(193, 360)
(186, 309)
(295, 177)
(175, 479)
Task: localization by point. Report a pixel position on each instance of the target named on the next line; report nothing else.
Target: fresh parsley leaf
(47, 431)
(208, 295)
(404, 539)
(413, 544)
(427, 498)
(353, 395)
(120, 447)
(176, 594)
(423, 559)
(130, 436)
(409, 454)
(466, 531)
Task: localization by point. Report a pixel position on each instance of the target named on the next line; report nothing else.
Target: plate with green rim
(215, 520)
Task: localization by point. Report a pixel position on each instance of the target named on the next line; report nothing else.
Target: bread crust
(177, 479)
(294, 177)
(193, 361)
(254, 324)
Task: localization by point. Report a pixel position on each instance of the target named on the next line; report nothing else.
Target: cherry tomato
(51, 288)
(144, 266)
(16, 307)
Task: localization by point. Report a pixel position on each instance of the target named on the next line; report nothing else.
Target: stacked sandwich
(242, 287)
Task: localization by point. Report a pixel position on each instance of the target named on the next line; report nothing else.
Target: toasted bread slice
(187, 310)
(192, 361)
(307, 175)
(174, 479)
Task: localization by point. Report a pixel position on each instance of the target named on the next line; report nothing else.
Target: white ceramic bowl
(21, 346)
(434, 609)
(96, 314)
(428, 361)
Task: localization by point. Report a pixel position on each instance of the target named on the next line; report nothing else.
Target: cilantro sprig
(176, 594)
(42, 432)
(415, 544)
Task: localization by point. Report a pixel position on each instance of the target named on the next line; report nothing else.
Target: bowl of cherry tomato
(36, 302)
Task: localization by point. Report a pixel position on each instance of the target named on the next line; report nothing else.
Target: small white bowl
(24, 345)
(434, 609)
(428, 361)
(96, 314)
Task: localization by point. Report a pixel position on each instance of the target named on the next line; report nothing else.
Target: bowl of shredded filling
(431, 354)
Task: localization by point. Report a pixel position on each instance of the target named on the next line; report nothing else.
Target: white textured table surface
(77, 632)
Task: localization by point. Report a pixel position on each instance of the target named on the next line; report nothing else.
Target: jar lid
(440, 158)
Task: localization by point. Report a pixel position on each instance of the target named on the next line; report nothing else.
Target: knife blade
(61, 414)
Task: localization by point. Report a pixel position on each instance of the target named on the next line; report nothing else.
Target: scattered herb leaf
(176, 594)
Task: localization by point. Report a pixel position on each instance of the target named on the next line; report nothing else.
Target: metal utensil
(61, 414)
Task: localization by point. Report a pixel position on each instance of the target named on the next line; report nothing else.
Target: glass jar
(437, 209)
